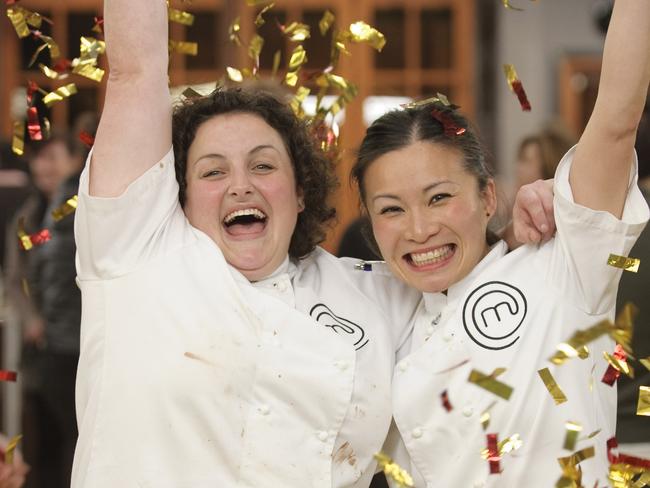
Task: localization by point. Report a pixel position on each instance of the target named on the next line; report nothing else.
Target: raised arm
(134, 132)
(601, 166)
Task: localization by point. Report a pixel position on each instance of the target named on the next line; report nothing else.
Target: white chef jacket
(192, 377)
(512, 311)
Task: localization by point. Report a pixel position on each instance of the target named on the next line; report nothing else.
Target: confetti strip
(624, 263)
(181, 47)
(66, 209)
(516, 86)
(508, 5)
(616, 457)
(506, 446)
(59, 94)
(296, 31)
(326, 22)
(444, 396)
(298, 58)
(362, 32)
(617, 364)
(86, 138)
(490, 383)
(6, 375)
(11, 449)
(49, 43)
(27, 242)
(180, 17)
(255, 48)
(449, 126)
(255, 3)
(486, 416)
(393, 471)
(33, 125)
(99, 25)
(643, 407)
(233, 32)
(21, 19)
(572, 431)
(234, 74)
(571, 472)
(259, 20)
(18, 138)
(551, 385)
(493, 457)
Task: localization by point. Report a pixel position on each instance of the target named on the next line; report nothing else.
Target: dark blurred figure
(633, 431)
(41, 285)
(354, 243)
(14, 189)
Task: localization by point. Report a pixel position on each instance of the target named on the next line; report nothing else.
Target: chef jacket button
(403, 366)
(430, 330)
(264, 409)
(322, 435)
(468, 411)
(416, 433)
(342, 365)
(282, 286)
(479, 484)
(447, 336)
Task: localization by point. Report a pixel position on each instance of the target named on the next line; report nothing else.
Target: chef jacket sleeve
(585, 238)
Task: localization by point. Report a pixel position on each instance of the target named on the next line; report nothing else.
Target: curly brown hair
(314, 172)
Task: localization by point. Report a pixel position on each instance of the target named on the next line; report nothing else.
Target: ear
(489, 196)
(301, 200)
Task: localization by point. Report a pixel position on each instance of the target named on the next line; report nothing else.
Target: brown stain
(345, 453)
(196, 357)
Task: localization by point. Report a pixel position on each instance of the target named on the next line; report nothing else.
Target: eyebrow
(424, 190)
(256, 149)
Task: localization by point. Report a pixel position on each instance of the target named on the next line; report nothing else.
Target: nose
(240, 184)
(421, 226)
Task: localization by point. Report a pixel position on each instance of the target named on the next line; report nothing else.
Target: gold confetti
(571, 472)
(259, 20)
(298, 58)
(191, 93)
(508, 5)
(624, 263)
(189, 48)
(299, 97)
(180, 17)
(234, 74)
(25, 286)
(59, 94)
(572, 431)
(255, 48)
(11, 448)
(645, 362)
(20, 18)
(553, 388)
(277, 57)
(393, 471)
(67, 208)
(326, 22)
(18, 138)
(490, 383)
(25, 241)
(643, 407)
(255, 3)
(50, 73)
(619, 362)
(92, 72)
(623, 475)
(486, 416)
(506, 446)
(297, 31)
(233, 32)
(362, 32)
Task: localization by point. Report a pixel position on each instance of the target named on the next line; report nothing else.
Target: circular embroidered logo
(493, 314)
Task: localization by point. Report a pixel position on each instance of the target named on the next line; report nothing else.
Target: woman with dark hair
(481, 348)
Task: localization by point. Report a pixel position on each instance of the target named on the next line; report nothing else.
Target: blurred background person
(41, 286)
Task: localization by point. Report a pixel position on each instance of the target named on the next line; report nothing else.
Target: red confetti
(518, 87)
(62, 66)
(445, 401)
(6, 375)
(86, 138)
(613, 458)
(38, 238)
(493, 454)
(612, 374)
(450, 127)
(33, 125)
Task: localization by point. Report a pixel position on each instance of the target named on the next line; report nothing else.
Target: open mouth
(245, 222)
(431, 257)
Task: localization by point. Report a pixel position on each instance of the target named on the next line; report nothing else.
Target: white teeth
(246, 211)
(429, 257)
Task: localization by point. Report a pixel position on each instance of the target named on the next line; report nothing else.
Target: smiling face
(428, 215)
(241, 191)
